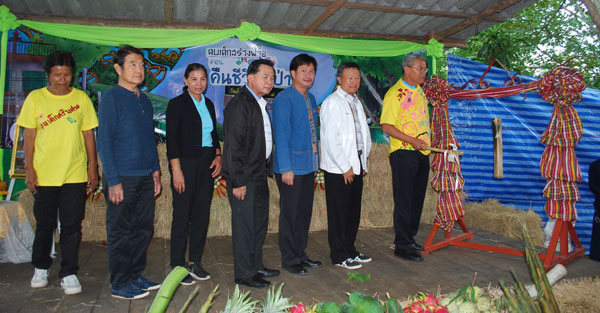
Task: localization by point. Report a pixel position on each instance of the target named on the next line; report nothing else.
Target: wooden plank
(447, 269)
(498, 155)
(331, 9)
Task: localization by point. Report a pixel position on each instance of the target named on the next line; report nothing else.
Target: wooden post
(498, 157)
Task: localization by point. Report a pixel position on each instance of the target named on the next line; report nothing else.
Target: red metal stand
(459, 241)
(562, 230)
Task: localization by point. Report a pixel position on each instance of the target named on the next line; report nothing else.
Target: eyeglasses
(419, 68)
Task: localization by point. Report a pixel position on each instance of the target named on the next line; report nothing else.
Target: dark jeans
(249, 221)
(191, 209)
(68, 202)
(343, 215)
(295, 212)
(129, 227)
(595, 242)
(410, 173)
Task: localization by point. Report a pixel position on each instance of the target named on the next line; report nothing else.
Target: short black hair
(346, 65)
(254, 65)
(302, 59)
(58, 58)
(193, 67)
(124, 51)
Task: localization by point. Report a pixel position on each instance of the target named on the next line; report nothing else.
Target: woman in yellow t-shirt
(60, 159)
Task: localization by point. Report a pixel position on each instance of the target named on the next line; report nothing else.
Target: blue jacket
(292, 133)
(126, 141)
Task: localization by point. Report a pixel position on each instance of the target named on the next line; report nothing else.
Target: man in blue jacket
(131, 175)
(296, 159)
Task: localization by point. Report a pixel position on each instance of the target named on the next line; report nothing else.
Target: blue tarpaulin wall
(524, 119)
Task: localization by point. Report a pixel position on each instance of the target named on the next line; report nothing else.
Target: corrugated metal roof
(354, 18)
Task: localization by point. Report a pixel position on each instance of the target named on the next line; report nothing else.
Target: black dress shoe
(310, 263)
(266, 272)
(254, 282)
(296, 269)
(411, 255)
(416, 246)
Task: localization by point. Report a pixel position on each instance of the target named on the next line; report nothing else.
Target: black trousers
(249, 221)
(343, 215)
(191, 209)
(68, 202)
(129, 227)
(410, 173)
(295, 212)
(595, 242)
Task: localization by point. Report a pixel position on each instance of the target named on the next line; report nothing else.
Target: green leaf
(328, 307)
(363, 303)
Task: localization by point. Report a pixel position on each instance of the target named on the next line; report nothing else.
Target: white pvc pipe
(556, 273)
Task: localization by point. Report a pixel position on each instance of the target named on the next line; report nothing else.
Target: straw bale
(377, 207)
(578, 295)
(492, 216)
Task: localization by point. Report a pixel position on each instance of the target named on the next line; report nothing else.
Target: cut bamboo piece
(447, 151)
(498, 157)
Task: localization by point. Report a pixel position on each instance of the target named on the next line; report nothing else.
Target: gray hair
(410, 59)
(346, 65)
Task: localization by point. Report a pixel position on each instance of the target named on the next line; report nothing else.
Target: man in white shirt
(345, 146)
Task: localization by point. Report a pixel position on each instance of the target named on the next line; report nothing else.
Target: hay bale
(492, 216)
(578, 295)
(377, 207)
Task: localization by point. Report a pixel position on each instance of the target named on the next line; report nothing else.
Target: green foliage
(209, 299)
(546, 34)
(392, 306)
(358, 277)
(360, 303)
(328, 307)
(240, 302)
(274, 302)
(386, 70)
(518, 299)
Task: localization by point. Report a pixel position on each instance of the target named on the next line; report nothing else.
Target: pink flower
(299, 308)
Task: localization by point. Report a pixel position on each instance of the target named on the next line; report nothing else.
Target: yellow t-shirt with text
(59, 156)
(405, 108)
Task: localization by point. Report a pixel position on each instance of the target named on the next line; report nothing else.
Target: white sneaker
(40, 278)
(71, 285)
(361, 258)
(349, 264)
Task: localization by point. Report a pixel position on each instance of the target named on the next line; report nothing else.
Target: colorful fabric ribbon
(447, 178)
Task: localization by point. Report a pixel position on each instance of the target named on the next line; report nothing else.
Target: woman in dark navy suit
(194, 154)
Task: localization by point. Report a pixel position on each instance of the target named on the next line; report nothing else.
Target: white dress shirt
(339, 140)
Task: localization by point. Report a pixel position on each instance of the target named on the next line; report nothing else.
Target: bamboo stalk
(432, 149)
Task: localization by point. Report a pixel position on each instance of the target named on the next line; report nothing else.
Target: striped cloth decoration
(561, 87)
(524, 119)
(447, 178)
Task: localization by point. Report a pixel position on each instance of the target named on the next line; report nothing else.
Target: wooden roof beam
(168, 6)
(477, 18)
(387, 9)
(331, 9)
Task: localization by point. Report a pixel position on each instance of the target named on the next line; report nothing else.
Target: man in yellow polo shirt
(405, 117)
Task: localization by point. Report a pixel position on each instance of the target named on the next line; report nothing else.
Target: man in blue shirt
(296, 159)
(131, 175)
